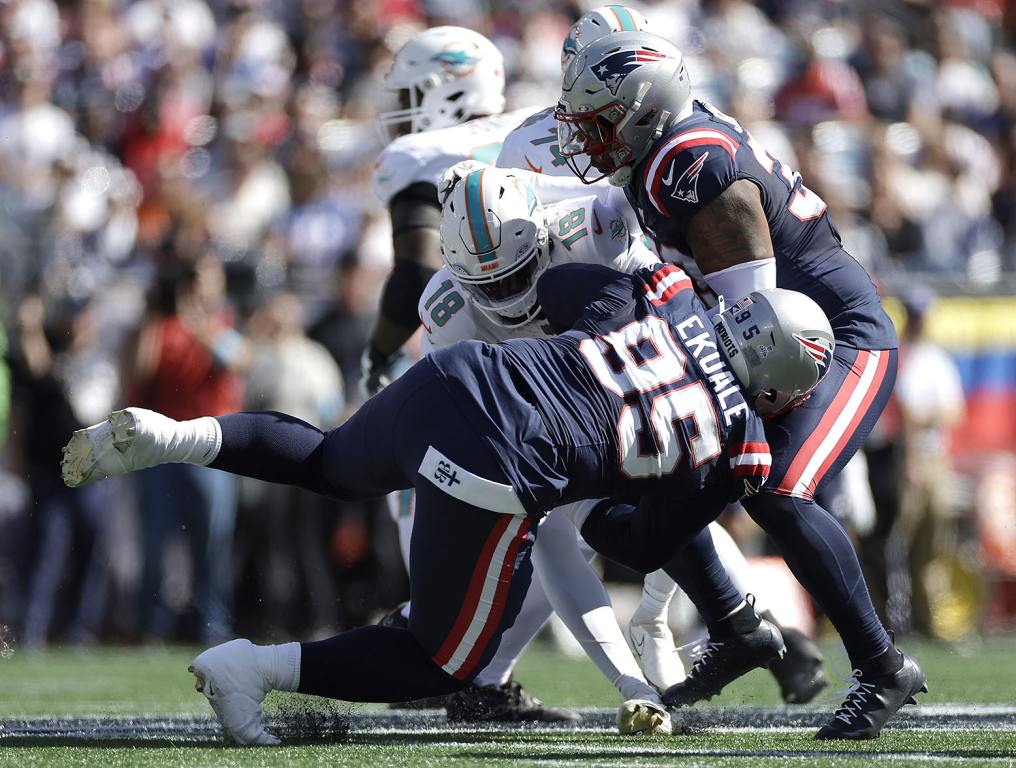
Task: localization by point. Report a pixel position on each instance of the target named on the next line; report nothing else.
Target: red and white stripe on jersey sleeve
(750, 459)
(484, 604)
(659, 165)
(665, 283)
(837, 426)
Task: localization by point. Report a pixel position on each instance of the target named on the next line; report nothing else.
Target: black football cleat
(507, 703)
(801, 672)
(725, 659)
(872, 700)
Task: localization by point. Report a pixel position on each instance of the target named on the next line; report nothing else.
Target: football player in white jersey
(533, 146)
(448, 83)
(496, 241)
(448, 87)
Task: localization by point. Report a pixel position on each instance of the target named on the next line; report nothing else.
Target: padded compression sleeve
(403, 290)
(415, 206)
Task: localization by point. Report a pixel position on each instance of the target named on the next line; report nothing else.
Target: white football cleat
(639, 716)
(653, 645)
(230, 678)
(134, 438)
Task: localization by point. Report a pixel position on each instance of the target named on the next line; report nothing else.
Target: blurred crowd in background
(187, 223)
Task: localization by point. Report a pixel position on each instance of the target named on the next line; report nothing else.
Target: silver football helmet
(618, 96)
(442, 77)
(597, 23)
(494, 240)
(779, 344)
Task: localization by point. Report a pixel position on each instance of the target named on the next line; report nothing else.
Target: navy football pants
(470, 567)
(809, 446)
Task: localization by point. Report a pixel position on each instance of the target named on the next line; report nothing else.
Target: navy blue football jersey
(634, 402)
(704, 154)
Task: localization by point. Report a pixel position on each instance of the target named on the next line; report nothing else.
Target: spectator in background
(186, 362)
(286, 530)
(62, 380)
(930, 398)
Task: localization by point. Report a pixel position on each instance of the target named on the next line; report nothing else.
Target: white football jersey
(583, 230)
(423, 157)
(533, 146)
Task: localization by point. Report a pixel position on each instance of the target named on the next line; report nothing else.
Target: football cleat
(229, 677)
(724, 660)
(801, 672)
(507, 703)
(872, 700)
(131, 439)
(640, 716)
(653, 645)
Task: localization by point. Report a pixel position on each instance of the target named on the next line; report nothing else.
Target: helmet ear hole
(647, 118)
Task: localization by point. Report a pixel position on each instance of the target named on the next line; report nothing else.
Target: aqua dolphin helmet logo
(456, 61)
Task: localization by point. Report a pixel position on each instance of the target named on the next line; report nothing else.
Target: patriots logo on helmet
(456, 62)
(613, 69)
(818, 350)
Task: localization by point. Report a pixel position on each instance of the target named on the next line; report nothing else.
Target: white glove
(454, 174)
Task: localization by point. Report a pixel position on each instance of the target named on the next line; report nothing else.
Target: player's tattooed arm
(732, 229)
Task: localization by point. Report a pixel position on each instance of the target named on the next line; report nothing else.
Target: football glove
(454, 174)
(377, 371)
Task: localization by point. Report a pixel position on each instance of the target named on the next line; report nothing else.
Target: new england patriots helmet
(618, 96)
(443, 77)
(494, 241)
(597, 23)
(779, 344)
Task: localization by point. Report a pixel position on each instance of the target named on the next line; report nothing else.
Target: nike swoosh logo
(597, 229)
(638, 645)
(533, 168)
(670, 174)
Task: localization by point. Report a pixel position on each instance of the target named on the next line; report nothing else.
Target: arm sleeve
(646, 537)
(415, 206)
(568, 291)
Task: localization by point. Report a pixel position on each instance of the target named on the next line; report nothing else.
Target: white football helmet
(597, 23)
(618, 96)
(442, 77)
(494, 240)
(779, 344)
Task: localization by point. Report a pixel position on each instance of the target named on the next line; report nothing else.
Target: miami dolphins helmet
(597, 23)
(494, 241)
(442, 77)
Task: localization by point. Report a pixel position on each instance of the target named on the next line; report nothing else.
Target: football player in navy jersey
(641, 401)
(701, 183)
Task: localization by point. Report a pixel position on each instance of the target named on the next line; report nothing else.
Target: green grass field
(116, 683)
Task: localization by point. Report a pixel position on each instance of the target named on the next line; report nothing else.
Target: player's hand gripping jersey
(704, 154)
(635, 402)
(582, 231)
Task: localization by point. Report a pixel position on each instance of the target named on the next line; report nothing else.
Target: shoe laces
(857, 696)
(704, 655)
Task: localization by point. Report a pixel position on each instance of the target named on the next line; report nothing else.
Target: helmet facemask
(509, 297)
(589, 140)
(495, 243)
